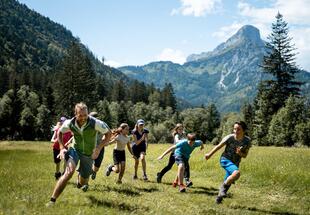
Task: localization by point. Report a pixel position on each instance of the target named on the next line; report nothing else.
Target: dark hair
(242, 124)
(191, 136)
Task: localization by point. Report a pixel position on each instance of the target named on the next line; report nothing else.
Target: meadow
(273, 181)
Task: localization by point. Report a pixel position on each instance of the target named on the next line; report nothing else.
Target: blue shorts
(181, 160)
(229, 167)
(86, 162)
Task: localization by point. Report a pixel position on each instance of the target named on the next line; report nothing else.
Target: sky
(138, 32)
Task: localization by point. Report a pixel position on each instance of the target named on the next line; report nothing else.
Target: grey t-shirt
(231, 146)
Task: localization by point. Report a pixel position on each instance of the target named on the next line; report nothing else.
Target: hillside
(227, 76)
(34, 44)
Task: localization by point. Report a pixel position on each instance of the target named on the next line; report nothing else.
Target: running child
(183, 150)
(121, 139)
(237, 147)
(140, 137)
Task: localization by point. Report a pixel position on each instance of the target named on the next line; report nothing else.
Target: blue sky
(137, 32)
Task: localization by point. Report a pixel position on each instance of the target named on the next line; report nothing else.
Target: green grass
(273, 181)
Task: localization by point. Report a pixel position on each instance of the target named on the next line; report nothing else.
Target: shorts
(56, 153)
(229, 166)
(138, 149)
(119, 156)
(86, 162)
(98, 160)
(181, 160)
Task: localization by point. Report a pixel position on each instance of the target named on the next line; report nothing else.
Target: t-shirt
(231, 146)
(139, 136)
(121, 142)
(183, 149)
(178, 137)
(66, 137)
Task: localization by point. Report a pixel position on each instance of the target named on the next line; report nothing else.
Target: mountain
(34, 44)
(227, 76)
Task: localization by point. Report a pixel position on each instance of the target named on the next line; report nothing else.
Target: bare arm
(104, 141)
(166, 152)
(129, 148)
(138, 141)
(215, 149)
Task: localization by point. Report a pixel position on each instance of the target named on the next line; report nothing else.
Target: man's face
(81, 116)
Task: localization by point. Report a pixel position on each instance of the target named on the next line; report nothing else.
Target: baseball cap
(62, 119)
(140, 122)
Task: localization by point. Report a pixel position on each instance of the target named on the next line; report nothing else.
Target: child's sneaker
(78, 185)
(158, 178)
(219, 199)
(182, 188)
(145, 177)
(135, 177)
(174, 184)
(108, 170)
(49, 204)
(118, 182)
(57, 175)
(189, 183)
(223, 190)
(85, 187)
(93, 175)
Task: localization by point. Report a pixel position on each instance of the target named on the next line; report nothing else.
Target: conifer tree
(272, 93)
(75, 82)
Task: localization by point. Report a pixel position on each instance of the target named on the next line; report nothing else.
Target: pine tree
(279, 63)
(118, 91)
(168, 97)
(75, 82)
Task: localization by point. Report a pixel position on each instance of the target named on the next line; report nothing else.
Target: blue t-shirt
(183, 149)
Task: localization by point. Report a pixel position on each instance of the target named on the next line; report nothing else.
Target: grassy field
(273, 181)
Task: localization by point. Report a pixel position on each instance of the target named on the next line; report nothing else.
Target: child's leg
(136, 166)
(180, 173)
(122, 170)
(142, 156)
(233, 177)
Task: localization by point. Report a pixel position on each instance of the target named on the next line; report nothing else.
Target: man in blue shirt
(182, 152)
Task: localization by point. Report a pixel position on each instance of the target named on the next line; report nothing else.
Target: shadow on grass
(262, 210)
(147, 190)
(126, 191)
(112, 204)
(205, 190)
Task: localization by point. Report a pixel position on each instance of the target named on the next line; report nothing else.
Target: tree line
(32, 101)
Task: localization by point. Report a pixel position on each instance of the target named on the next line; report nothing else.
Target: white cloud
(296, 13)
(302, 44)
(175, 56)
(197, 8)
(112, 63)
